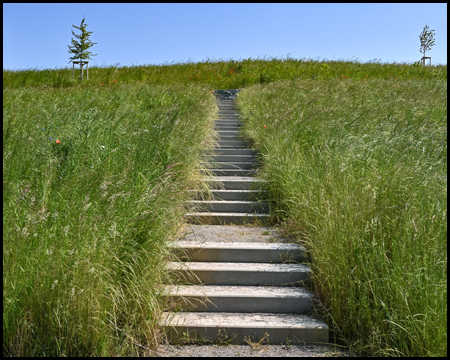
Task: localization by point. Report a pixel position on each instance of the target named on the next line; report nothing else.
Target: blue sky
(37, 35)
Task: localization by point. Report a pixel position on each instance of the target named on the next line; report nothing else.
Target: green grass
(87, 219)
(355, 155)
(225, 74)
(357, 171)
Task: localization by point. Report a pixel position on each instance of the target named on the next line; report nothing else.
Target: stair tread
(239, 291)
(237, 245)
(232, 266)
(230, 178)
(226, 201)
(244, 320)
(226, 214)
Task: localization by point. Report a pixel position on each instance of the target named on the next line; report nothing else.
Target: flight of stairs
(233, 165)
(239, 282)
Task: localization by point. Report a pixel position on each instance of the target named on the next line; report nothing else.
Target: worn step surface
(234, 151)
(232, 143)
(233, 182)
(247, 299)
(223, 218)
(233, 172)
(234, 122)
(237, 206)
(229, 135)
(232, 165)
(247, 252)
(282, 328)
(243, 195)
(231, 273)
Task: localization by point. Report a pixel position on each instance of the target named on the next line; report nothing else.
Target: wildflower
(264, 125)
(58, 142)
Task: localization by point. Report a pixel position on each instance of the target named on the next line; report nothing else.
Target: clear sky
(37, 35)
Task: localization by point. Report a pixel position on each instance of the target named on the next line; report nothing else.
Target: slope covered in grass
(352, 151)
(223, 74)
(357, 170)
(94, 184)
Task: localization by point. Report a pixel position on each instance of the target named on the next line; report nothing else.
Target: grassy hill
(96, 175)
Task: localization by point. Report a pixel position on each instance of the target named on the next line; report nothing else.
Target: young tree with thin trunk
(426, 40)
(79, 48)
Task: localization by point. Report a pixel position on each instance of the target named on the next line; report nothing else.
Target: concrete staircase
(235, 194)
(239, 282)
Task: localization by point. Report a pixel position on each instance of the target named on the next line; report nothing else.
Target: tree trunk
(81, 70)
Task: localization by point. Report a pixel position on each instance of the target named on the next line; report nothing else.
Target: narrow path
(242, 284)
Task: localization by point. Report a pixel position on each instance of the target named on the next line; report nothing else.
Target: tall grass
(225, 74)
(86, 220)
(357, 171)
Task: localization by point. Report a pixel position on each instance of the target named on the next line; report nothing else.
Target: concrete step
(216, 218)
(233, 172)
(230, 158)
(245, 299)
(233, 233)
(228, 116)
(229, 135)
(229, 165)
(232, 146)
(243, 195)
(248, 252)
(234, 122)
(227, 128)
(227, 108)
(234, 182)
(282, 328)
(236, 143)
(218, 151)
(229, 206)
(241, 274)
(231, 115)
(227, 105)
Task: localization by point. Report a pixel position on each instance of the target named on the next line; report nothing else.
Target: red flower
(264, 125)
(58, 142)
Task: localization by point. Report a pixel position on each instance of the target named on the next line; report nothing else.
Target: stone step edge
(282, 328)
(244, 291)
(243, 202)
(201, 244)
(238, 267)
(230, 178)
(219, 214)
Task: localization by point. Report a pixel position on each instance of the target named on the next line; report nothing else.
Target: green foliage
(358, 170)
(90, 218)
(426, 40)
(79, 49)
(355, 161)
(218, 75)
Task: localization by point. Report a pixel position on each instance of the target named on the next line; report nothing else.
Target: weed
(259, 344)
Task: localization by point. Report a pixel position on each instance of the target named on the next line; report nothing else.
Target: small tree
(426, 41)
(79, 49)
